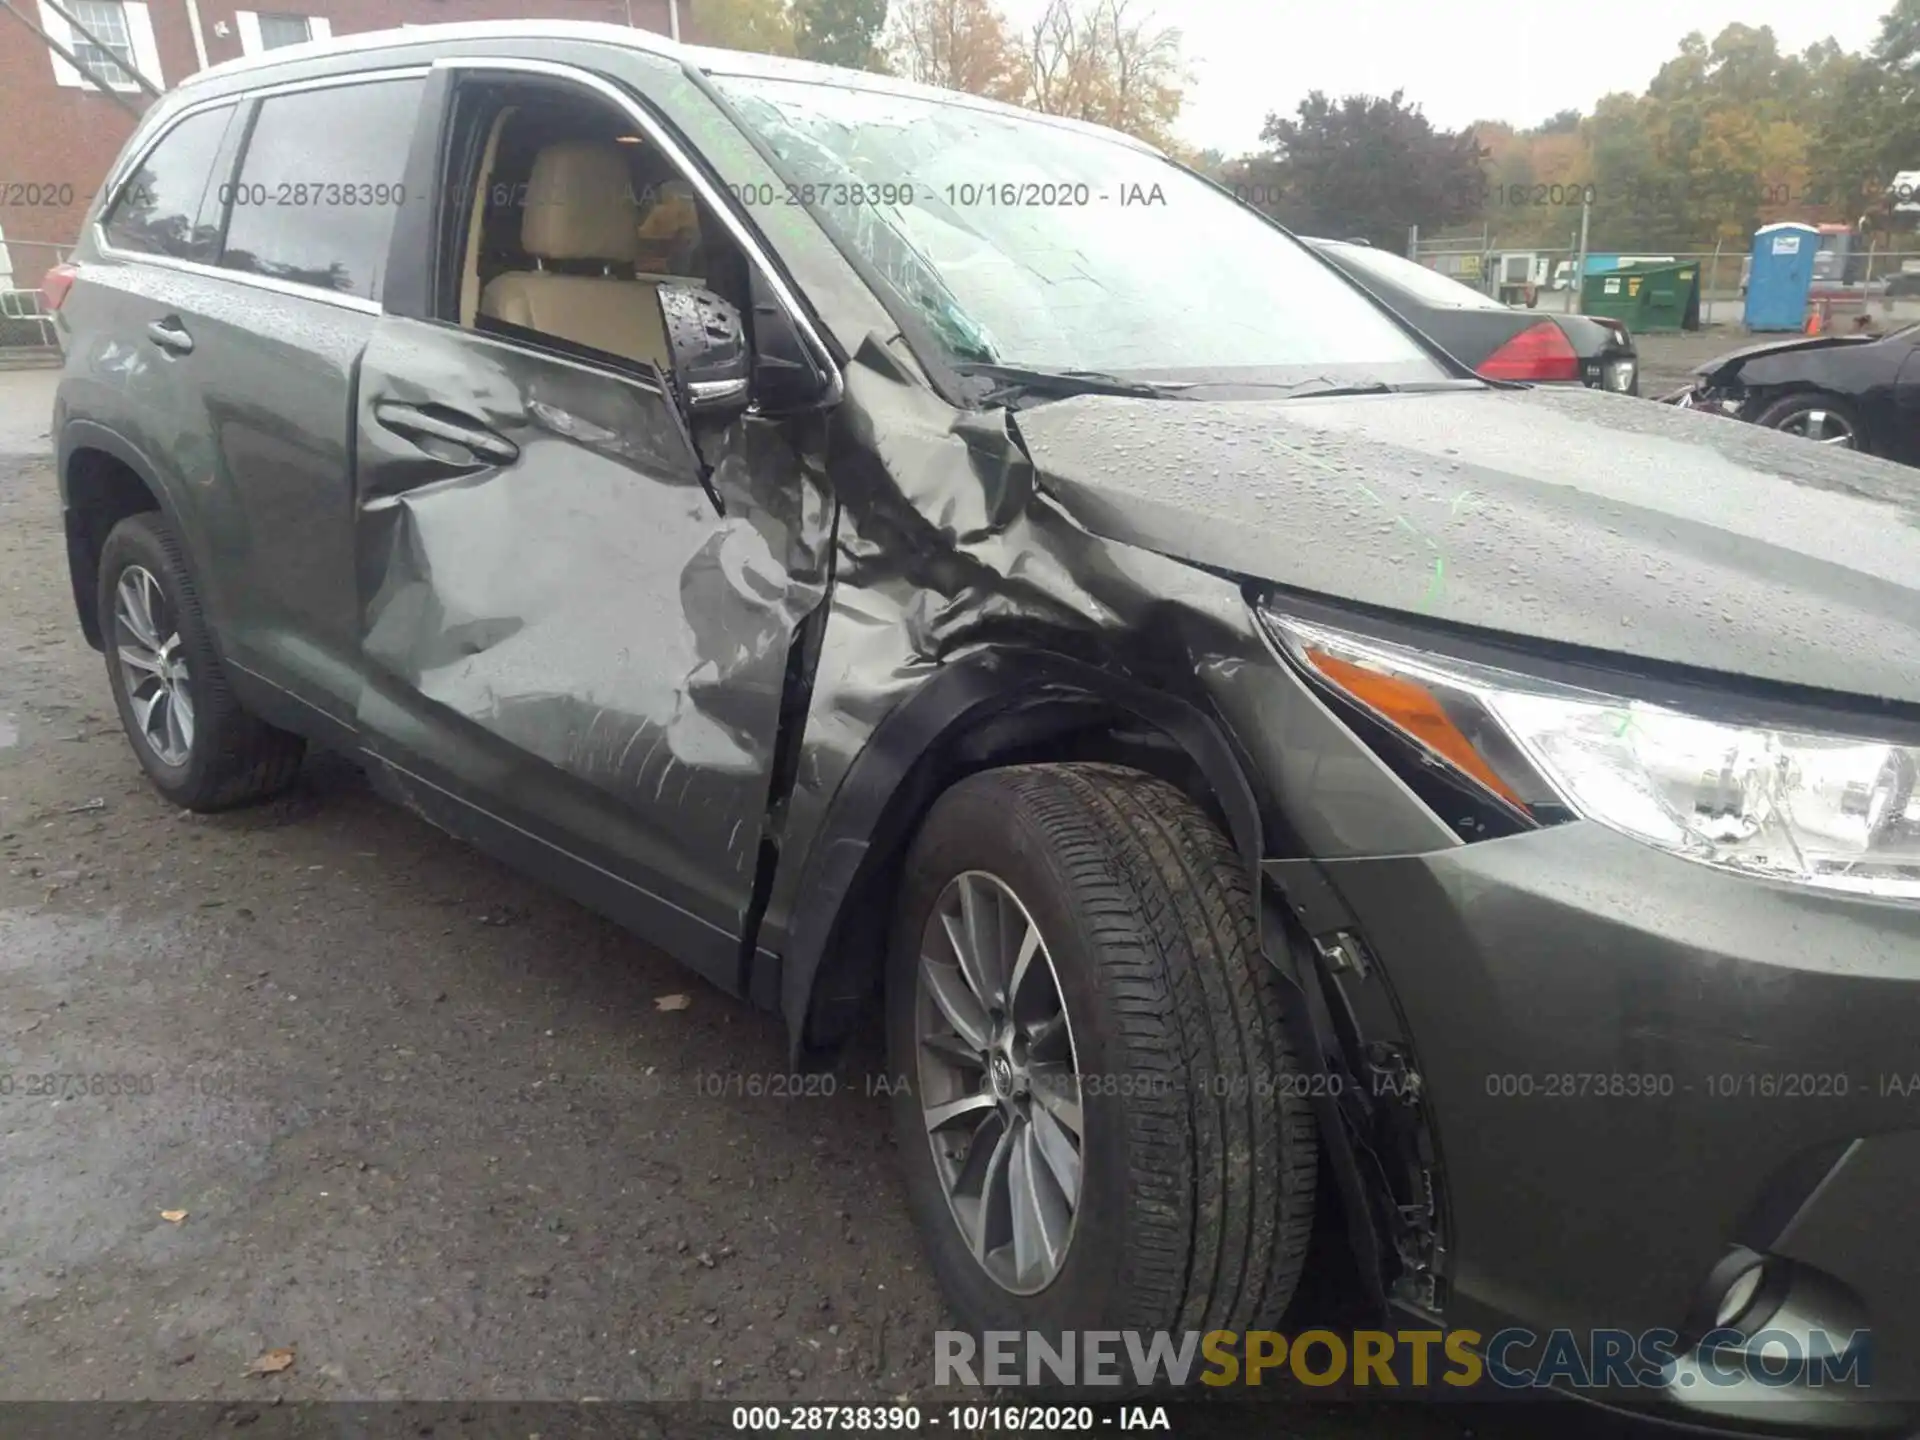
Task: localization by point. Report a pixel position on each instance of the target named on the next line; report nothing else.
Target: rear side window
(159, 206)
(321, 180)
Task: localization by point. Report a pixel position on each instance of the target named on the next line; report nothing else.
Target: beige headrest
(580, 204)
(673, 215)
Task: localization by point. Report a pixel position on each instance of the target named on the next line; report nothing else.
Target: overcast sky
(1514, 61)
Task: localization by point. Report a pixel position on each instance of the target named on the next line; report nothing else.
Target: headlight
(1836, 811)
(1618, 375)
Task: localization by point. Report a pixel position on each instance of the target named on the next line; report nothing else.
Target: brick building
(59, 133)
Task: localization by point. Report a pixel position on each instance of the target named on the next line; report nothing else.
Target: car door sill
(287, 709)
(706, 949)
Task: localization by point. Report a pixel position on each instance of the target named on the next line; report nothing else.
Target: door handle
(171, 336)
(415, 423)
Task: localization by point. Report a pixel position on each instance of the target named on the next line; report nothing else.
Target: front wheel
(1813, 417)
(1104, 1125)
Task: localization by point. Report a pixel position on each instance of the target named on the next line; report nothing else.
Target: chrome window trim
(415, 71)
(642, 375)
(717, 202)
(593, 32)
(293, 288)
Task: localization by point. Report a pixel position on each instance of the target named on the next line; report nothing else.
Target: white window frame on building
(253, 38)
(113, 21)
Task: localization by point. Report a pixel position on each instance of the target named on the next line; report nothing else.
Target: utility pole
(1579, 305)
(199, 34)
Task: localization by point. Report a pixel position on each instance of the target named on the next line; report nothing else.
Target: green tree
(1870, 131)
(1210, 162)
(958, 45)
(1366, 165)
(1107, 63)
(840, 32)
(1639, 199)
(763, 26)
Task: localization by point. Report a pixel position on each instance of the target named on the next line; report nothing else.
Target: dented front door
(568, 645)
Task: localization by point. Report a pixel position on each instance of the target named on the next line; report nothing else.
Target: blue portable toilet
(1782, 276)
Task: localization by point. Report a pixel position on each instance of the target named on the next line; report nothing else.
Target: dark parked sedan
(1499, 341)
(1857, 392)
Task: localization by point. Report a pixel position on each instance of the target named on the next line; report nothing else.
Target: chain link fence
(1885, 283)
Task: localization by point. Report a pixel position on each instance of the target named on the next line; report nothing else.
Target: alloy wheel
(1820, 425)
(999, 1082)
(153, 665)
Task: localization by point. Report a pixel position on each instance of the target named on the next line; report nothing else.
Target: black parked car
(1497, 340)
(1854, 392)
(1250, 760)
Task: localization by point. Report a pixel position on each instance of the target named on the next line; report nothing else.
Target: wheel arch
(999, 708)
(982, 712)
(103, 479)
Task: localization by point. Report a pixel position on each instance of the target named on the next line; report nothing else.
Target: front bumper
(1775, 1034)
(1698, 395)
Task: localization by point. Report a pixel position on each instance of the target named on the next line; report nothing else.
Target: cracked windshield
(1025, 242)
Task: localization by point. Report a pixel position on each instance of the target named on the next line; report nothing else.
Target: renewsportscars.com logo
(1511, 1359)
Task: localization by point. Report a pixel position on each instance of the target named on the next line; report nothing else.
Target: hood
(1561, 515)
(1781, 347)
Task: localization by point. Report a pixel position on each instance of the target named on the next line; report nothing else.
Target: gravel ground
(428, 1124)
(1667, 361)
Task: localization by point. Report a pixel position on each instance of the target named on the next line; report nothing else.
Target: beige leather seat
(581, 206)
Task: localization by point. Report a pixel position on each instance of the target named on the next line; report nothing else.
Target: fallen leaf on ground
(672, 1002)
(272, 1363)
(173, 1217)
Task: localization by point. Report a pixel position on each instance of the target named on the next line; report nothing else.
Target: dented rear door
(571, 654)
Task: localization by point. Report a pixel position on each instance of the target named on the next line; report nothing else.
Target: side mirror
(711, 366)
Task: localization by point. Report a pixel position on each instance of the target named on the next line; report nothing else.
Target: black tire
(1200, 1150)
(1782, 413)
(233, 759)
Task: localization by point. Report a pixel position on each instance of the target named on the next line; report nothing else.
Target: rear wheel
(195, 742)
(1104, 1125)
(1813, 416)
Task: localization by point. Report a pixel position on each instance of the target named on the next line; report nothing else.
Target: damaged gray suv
(1300, 808)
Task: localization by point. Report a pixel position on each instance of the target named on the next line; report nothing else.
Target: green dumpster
(1646, 297)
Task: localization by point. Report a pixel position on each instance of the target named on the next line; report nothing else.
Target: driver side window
(572, 221)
